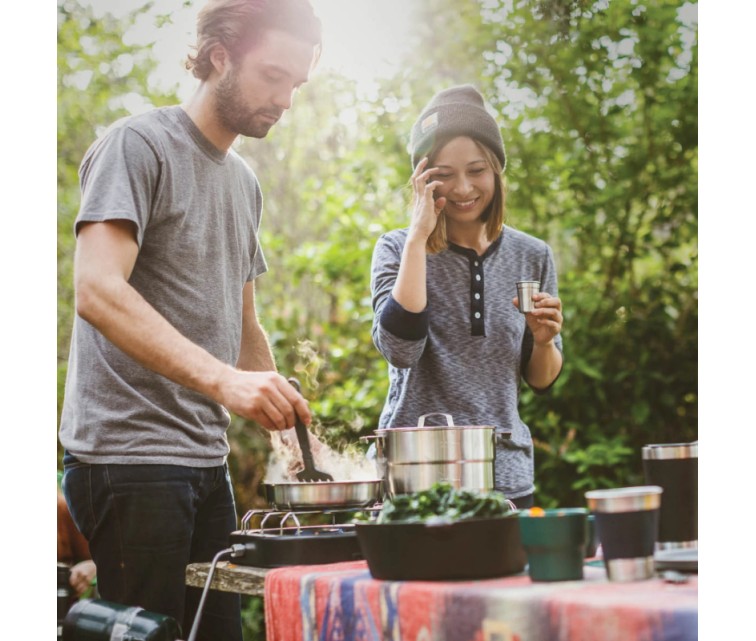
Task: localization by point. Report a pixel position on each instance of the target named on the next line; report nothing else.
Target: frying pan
(323, 494)
(318, 490)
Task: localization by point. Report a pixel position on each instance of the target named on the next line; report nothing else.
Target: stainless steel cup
(627, 525)
(525, 291)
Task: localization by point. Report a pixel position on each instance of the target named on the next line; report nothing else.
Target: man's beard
(235, 115)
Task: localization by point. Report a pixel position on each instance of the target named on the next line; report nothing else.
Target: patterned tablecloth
(341, 602)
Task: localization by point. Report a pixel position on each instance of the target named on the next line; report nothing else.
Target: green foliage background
(598, 104)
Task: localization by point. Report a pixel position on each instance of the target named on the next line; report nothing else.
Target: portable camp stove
(291, 543)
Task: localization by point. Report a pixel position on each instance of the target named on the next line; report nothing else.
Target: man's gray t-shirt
(464, 355)
(196, 212)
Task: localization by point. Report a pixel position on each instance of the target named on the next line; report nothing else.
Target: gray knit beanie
(457, 111)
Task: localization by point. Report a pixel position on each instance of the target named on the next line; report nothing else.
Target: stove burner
(297, 544)
(294, 515)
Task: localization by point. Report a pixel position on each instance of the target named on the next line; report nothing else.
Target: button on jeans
(145, 524)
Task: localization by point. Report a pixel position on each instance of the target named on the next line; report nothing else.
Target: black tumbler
(627, 524)
(674, 467)
(98, 620)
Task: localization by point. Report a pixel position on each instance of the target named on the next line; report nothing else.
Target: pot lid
(427, 428)
(422, 426)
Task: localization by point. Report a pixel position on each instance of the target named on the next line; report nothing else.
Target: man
(166, 340)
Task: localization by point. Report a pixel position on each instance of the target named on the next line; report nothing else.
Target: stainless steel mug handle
(449, 420)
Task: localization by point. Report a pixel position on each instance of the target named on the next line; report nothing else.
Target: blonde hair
(493, 216)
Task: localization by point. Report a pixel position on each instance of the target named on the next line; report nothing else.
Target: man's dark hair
(238, 24)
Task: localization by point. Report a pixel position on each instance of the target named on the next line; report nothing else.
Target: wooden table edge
(228, 577)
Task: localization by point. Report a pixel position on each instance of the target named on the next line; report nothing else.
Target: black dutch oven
(464, 550)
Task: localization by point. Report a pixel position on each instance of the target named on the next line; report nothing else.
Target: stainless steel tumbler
(627, 525)
(525, 291)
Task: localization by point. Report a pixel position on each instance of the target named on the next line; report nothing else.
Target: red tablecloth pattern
(342, 602)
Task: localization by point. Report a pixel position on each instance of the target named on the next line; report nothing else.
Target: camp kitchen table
(342, 601)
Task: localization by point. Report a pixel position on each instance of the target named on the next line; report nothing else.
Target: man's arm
(105, 256)
(255, 354)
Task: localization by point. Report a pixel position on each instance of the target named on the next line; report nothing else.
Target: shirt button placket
(476, 311)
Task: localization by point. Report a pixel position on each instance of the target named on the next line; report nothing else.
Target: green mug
(555, 541)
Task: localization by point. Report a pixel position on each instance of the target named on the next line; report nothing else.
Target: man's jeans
(144, 524)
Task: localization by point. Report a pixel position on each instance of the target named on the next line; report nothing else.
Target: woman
(446, 318)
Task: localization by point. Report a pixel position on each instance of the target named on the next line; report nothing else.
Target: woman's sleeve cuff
(411, 326)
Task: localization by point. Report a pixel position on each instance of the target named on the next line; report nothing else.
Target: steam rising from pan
(285, 460)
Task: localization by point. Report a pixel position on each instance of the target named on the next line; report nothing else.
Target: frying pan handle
(449, 420)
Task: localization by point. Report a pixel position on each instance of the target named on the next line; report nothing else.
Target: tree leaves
(598, 107)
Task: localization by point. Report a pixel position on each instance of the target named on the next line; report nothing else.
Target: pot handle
(449, 420)
(376, 449)
(379, 439)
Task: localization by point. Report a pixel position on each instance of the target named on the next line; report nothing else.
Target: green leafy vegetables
(441, 503)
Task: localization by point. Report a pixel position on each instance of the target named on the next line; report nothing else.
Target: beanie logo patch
(429, 123)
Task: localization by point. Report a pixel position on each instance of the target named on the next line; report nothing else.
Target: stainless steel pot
(404, 478)
(436, 444)
(417, 457)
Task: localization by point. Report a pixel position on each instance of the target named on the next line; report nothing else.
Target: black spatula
(309, 473)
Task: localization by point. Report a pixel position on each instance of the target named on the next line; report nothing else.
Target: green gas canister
(98, 620)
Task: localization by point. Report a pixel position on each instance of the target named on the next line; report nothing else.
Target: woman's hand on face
(545, 321)
(425, 209)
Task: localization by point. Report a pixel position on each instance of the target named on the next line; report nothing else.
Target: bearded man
(166, 340)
